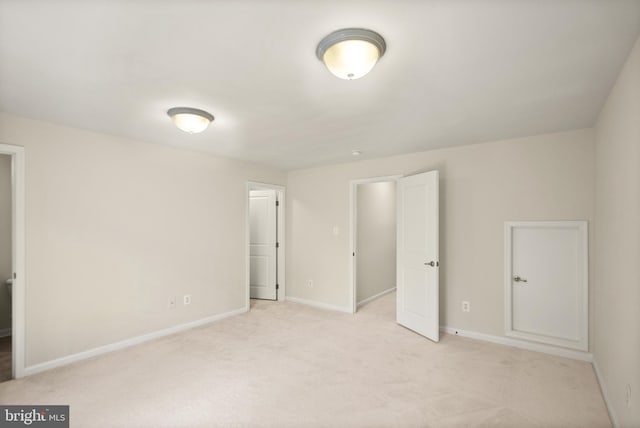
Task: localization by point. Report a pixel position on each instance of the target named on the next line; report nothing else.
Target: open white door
(417, 252)
(263, 244)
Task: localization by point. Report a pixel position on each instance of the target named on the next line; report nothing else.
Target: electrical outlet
(310, 283)
(466, 306)
(628, 396)
(172, 302)
(186, 299)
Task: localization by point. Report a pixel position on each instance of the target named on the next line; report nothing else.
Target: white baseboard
(318, 305)
(63, 361)
(603, 389)
(368, 299)
(4, 332)
(538, 347)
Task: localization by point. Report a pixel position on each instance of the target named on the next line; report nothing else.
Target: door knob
(518, 279)
(432, 264)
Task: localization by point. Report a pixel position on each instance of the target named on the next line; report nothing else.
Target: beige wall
(5, 240)
(376, 238)
(114, 227)
(548, 177)
(617, 259)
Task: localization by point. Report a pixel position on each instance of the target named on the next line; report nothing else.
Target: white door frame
(582, 228)
(353, 224)
(18, 255)
(280, 191)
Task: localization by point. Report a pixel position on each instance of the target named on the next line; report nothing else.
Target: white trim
(63, 361)
(319, 305)
(582, 343)
(18, 254)
(281, 194)
(4, 332)
(605, 395)
(538, 347)
(353, 216)
(374, 297)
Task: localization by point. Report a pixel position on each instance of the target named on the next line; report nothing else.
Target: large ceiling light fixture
(191, 120)
(351, 53)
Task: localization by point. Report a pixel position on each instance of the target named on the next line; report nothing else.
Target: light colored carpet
(288, 365)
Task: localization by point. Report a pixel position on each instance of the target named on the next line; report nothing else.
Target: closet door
(546, 284)
(263, 234)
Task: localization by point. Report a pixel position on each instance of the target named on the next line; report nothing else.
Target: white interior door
(262, 244)
(546, 282)
(417, 254)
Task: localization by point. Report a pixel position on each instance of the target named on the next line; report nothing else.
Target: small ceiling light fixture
(191, 120)
(351, 53)
(356, 152)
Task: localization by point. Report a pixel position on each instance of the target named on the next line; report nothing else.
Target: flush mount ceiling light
(191, 120)
(351, 53)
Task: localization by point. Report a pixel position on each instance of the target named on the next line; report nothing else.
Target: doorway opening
(265, 279)
(373, 239)
(6, 267)
(417, 264)
(11, 262)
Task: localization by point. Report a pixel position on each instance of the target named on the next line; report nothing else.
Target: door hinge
(277, 286)
(15, 275)
(277, 203)
(277, 245)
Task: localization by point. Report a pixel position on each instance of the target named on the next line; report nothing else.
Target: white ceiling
(455, 72)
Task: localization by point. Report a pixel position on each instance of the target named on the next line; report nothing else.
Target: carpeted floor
(5, 358)
(289, 365)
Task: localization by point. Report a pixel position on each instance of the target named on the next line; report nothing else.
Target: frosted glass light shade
(351, 53)
(190, 120)
(351, 59)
